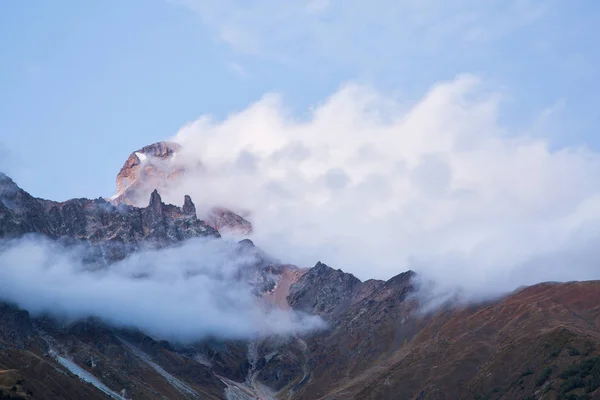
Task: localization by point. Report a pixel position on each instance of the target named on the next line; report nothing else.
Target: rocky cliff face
(156, 167)
(323, 291)
(120, 229)
(145, 170)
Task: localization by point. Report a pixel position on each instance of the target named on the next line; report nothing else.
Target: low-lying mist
(184, 293)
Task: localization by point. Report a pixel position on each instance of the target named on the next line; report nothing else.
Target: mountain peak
(323, 290)
(6, 181)
(145, 169)
(156, 167)
(322, 266)
(246, 243)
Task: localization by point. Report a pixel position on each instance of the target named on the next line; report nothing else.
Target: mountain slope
(522, 345)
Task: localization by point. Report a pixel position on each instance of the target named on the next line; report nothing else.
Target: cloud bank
(377, 185)
(185, 293)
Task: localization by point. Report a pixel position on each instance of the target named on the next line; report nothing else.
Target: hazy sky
(84, 83)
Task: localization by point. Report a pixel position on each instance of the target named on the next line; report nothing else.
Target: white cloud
(185, 293)
(375, 186)
(358, 31)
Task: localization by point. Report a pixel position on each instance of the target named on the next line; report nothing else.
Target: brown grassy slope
(27, 365)
(500, 351)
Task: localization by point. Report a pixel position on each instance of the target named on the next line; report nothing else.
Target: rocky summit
(376, 342)
(156, 167)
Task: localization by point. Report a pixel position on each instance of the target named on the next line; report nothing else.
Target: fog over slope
(185, 293)
(377, 185)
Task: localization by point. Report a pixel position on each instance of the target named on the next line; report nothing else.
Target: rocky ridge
(119, 229)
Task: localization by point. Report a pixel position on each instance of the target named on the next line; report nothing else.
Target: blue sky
(82, 84)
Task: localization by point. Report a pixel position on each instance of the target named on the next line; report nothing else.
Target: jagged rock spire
(154, 214)
(155, 200)
(188, 206)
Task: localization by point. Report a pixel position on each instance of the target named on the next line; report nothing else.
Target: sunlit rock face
(146, 169)
(156, 166)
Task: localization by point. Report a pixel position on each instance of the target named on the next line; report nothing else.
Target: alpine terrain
(377, 341)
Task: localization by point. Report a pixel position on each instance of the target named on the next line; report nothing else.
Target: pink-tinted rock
(155, 167)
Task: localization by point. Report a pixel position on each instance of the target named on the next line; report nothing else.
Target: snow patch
(86, 376)
(203, 360)
(182, 387)
(141, 156)
(237, 391)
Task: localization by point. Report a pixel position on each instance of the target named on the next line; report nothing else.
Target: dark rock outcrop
(323, 291)
(15, 326)
(120, 229)
(188, 207)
